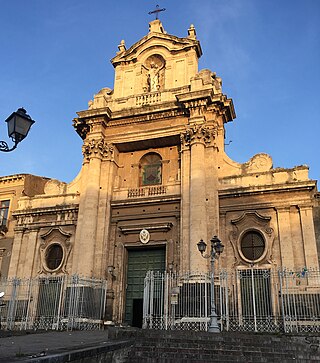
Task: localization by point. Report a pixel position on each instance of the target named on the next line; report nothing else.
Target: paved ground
(17, 348)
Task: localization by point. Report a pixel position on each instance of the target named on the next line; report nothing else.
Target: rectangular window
(4, 210)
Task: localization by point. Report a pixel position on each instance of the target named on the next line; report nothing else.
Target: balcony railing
(147, 191)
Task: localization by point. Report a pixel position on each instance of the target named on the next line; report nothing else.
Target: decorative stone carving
(55, 236)
(54, 187)
(199, 133)
(97, 149)
(196, 107)
(144, 236)
(259, 163)
(251, 221)
(153, 71)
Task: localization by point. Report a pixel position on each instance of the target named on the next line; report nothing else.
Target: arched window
(252, 245)
(150, 169)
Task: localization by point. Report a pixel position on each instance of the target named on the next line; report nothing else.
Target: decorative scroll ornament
(199, 134)
(55, 238)
(97, 149)
(251, 221)
(144, 236)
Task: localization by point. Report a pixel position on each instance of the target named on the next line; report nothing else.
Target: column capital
(97, 148)
(205, 135)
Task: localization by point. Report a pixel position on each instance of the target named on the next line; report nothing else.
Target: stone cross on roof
(157, 11)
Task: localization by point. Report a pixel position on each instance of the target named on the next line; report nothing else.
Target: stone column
(198, 138)
(286, 248)
(94, 150)
(308, 235)
(198, 215)
(185, 207)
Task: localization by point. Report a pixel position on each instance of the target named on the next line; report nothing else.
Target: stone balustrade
(148, 98)
(147, 191)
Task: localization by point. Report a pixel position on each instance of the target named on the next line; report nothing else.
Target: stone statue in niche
(153, 71)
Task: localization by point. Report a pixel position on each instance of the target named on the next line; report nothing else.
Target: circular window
(252, 245)
(54, 256)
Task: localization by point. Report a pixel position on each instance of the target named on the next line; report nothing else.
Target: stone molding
(196, 107)
(199, 134)
(158, 227)
(97, 148)
(36, 218)
(148, 117)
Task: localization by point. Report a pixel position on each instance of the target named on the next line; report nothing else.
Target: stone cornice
(266, 189)
(45, 210)
(205, 99)
(12, 178)
(146, 116)
(90, 118)
(96, 112)
(157, 227)
(145, 201)
(31, 219)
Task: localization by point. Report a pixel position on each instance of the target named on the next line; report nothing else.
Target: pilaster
(30, 259)
(15, 254)
(284, 229)
(309, 239)
(95, 150)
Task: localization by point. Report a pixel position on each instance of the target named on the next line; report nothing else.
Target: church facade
(155, 180)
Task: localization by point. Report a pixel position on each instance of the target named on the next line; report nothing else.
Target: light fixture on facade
(19, 123)
(216, 249)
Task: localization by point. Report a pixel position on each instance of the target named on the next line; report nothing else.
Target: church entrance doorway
(139, 262)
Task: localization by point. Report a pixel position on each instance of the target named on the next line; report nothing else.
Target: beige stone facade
(155, 177)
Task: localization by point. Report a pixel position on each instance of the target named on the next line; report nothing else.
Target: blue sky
(55, 56)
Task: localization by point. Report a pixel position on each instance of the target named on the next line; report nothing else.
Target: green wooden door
(139, 262)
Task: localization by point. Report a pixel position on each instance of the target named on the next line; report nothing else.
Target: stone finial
(192, 32)
(155, 26)
(122, 46)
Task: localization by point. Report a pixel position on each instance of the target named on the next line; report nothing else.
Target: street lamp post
(19, 123)
(216, 249)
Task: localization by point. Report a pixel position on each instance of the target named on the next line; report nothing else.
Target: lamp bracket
(5, 147)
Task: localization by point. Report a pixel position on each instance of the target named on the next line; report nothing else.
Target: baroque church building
(155, 180)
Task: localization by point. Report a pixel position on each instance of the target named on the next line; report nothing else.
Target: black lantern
(202, 246)
(19, 124)
(217, 245)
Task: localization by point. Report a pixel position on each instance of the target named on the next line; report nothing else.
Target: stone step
(189, 346)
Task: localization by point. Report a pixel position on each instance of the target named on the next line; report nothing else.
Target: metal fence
(57, 303)
(252, 299)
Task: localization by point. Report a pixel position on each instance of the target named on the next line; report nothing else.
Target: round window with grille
(252, 245)
(54, 256)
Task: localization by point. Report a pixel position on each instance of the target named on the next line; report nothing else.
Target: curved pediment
(155, 39)
(155, 63)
